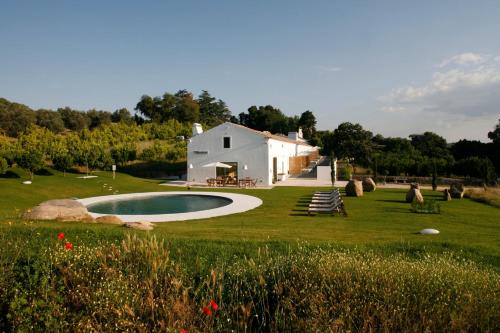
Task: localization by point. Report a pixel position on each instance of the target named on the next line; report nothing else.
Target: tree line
(426, 154)
(170, 115)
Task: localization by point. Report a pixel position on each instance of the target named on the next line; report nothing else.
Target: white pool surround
(240, 203)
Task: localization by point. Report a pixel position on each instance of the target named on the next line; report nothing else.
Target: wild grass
(137, 285)
(487, 195)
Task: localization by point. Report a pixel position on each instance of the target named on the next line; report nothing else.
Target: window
(227, 142)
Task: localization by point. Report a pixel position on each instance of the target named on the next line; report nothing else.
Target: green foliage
(212, 111)
(346, 171)
(154, 153)
(268, 118)
(3, 165)
(122, 116)
(147, 284)
(476, 167)
(15, 118)
(123, 153)
(495, 134)
(307, 122)
(74, 120)
(351, 141)
(427, 207)
(50, 120)
(32, 148)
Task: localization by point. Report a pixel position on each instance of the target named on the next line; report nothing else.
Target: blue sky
(397, 67)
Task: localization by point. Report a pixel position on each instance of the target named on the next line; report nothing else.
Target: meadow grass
(376, 247)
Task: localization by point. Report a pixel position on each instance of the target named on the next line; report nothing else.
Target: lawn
(270, 269)
(379, 220)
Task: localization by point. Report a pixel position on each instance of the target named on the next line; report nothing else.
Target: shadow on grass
(9, 174)
(389, 200)
(43, 172)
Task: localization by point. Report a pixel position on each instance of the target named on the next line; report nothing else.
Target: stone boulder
(369, 185)
(457, 191)
(414, 186)
(109, 219)
(60, 209)
(414, 194)
(354, 188)
(140, 225)
(446, 195)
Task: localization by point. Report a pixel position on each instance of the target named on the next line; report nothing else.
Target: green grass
(380, 220)
(270, 269)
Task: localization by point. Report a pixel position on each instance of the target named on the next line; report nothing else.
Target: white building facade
(254, 154)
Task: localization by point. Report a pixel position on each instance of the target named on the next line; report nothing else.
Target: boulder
(429, 232)
(369, 185)
(140, 225)
(446, 195)
(457, 191)
(60, 209)
(354, 188)
(109, 219)
(414, 194)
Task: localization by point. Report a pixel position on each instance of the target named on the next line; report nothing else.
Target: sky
(396, 67)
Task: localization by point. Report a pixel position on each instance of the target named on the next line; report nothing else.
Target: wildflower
(60, 236)
(214, 305)
(68, 246)
(183, 331)
(207, 311)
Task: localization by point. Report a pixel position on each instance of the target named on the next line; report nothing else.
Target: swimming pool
(159, 204)
(169, 206)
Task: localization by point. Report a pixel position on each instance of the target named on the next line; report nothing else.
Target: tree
(98, 118)
(307, 122)
(268, 118)
(123, 153)
(50, 120)
(352, 142)
(212, 111)
(435, 148)
(74, 120)
(61, 157)
(32, 149)
(186, 108)
(122, 116)
(495, 134)
(15, 118)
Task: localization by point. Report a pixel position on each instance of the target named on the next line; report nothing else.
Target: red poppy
(183, 331)
(214, 305)
(207, 311)
(60, 236)
(68, 246)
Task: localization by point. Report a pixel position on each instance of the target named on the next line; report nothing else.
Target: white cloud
(463, 59)
(497, 59)
(471, 91)
(329, 69)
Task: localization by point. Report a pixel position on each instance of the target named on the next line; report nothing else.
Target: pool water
(160, 204)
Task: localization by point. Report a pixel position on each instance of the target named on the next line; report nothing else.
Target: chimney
(300, 133)
(293, 135)
(197, 129)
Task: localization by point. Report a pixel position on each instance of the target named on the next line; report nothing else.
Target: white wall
(247, 148)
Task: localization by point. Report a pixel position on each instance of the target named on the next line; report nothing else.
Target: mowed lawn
(380, 220)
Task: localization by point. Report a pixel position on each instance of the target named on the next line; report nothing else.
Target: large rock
(61, 209)
(457, 191)
(369, 185)
(354, 188)
(140, 225)
(414, 194)
(109, 219)
(446, 195)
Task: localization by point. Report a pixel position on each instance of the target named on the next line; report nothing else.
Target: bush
(3, 165)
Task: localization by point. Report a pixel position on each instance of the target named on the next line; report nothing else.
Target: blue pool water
(159, 204)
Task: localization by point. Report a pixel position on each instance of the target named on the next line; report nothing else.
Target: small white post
(113, 167)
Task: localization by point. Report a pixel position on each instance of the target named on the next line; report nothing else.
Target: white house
(258, 155)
